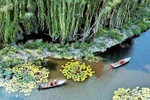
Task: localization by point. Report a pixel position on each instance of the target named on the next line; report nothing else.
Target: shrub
(127, 25)
(114, 35)
(49, 47)
(76, 45)
(15, 61)
(8, 59)
(14, 49)
(142, 26)
(100, 32)
(136, 30)
(4, 50)
(83, 46)
(39, 51)
(33, 44)
(101, 44)
(147, 23)
(4, 64)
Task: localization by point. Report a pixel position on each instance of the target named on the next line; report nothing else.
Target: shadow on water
(117, 52)
(51, 65)
(140, 53)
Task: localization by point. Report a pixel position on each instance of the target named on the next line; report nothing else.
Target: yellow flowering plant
(76, 71)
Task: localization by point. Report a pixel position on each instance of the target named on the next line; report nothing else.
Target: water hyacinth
(25, 78)
(76, 71)
(135, 94)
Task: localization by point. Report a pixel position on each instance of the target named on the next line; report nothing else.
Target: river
(103, 83)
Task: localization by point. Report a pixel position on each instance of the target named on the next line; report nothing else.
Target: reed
(65, 20)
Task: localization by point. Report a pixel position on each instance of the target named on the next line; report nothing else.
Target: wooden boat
(120, 62)
(52, 83)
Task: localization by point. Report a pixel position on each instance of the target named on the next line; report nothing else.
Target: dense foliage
(63, 20)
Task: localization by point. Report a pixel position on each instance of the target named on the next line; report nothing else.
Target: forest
(65, 21)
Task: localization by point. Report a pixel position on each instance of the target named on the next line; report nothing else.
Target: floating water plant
(135, 94)
(76, 71)
(25, 77)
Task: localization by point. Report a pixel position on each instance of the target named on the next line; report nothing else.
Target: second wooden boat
(120, 63)
(52, 83)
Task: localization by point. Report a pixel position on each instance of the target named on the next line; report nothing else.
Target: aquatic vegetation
(25, 78)
(76, 71)
(135, 94)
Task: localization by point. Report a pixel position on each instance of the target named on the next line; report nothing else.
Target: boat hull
(117, 64)
(47, 85)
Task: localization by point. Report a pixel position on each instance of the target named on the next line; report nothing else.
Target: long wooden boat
(120, 62)
(51, 84)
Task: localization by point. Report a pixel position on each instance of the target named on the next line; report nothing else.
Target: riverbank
(38, 50)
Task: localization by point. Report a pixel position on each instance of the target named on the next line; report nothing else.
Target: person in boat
(55, 82)
(121, 61)
(111, 66)
(39, 86)
(51, 84)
